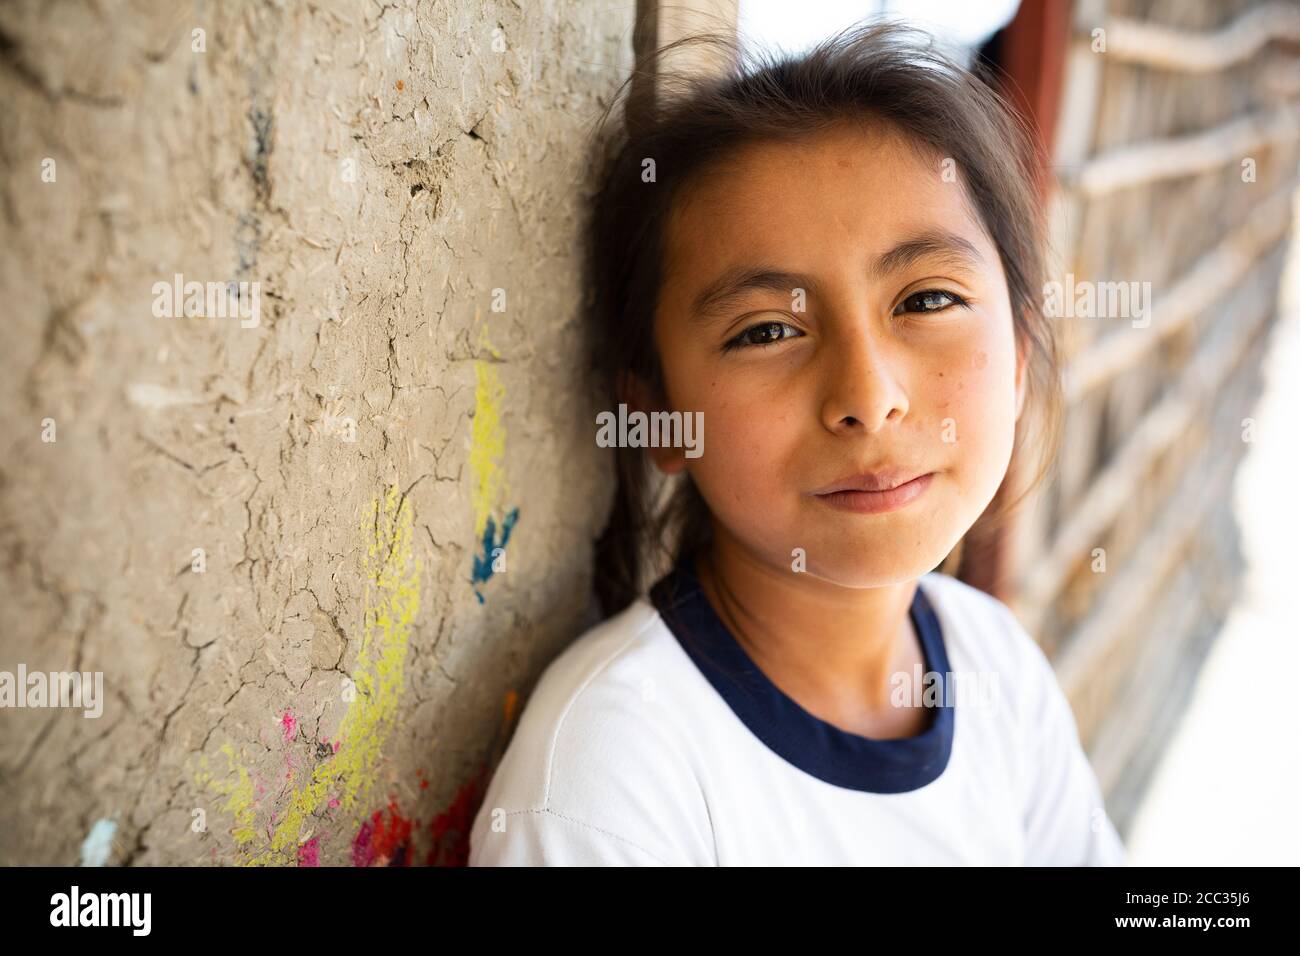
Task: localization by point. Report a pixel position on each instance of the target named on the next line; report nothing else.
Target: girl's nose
(861, 384)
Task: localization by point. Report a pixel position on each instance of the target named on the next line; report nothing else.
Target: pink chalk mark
(363, 854)
(309, 853)
(289, 723)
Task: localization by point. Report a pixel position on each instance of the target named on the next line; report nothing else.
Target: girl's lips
(874, 502)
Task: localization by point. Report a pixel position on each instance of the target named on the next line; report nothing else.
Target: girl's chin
(877, 575)
(843, 563)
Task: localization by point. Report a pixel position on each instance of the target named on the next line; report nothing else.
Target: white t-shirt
(654, 739)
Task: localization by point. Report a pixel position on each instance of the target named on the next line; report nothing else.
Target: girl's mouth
(875, 502)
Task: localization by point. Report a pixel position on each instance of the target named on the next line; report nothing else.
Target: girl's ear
(668, 460)
(637, 394)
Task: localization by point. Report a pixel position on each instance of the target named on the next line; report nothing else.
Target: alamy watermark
(213, 300)
(1098, 300)
(55, 689)
(651, 430)
(968, 689)
(75, 908)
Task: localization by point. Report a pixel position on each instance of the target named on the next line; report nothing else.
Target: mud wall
(296, 432)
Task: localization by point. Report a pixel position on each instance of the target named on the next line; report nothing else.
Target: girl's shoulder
(984, 638)
(1065, 814)
(978, 627)
(603, 744)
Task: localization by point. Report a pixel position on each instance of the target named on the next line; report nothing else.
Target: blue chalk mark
(483, 562)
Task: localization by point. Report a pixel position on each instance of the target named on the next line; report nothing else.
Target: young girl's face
(834, 308)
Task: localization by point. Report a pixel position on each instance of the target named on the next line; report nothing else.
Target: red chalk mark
(384, 841)
(450, 828)
(388, 841)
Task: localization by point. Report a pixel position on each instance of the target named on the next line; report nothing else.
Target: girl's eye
(765, 333)
(929, 300)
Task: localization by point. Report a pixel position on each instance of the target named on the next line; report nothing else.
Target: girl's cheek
(976, 408)
(741, 464)
(988, 411)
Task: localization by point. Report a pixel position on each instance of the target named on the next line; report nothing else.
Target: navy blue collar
(800, 738)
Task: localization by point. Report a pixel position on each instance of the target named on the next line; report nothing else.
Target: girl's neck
(830, 648)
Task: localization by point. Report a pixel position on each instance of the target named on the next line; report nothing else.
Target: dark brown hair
(685, 121)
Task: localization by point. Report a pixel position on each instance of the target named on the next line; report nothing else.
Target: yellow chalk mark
(488, 436)
(239, 793)
(391, 606)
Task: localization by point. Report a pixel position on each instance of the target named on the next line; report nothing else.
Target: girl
(835, 259)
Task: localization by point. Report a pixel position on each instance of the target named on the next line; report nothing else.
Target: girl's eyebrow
(933, 244)
(739, 280)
